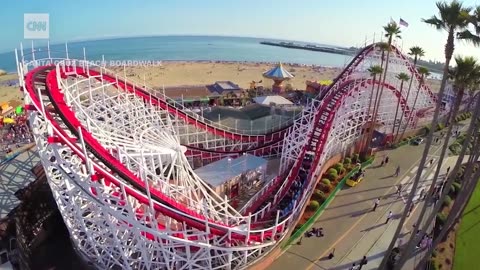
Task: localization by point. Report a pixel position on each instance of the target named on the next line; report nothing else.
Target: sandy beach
(195, 73)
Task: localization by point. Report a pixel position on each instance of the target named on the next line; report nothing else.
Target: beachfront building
(278, 74)
(218, 93)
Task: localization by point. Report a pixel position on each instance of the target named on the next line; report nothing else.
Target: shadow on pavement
(348, 265)
(307, 259)
(366, 190)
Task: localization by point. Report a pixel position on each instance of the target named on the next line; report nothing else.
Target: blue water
(182, 48)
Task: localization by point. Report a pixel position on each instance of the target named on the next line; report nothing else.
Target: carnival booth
(232, 177)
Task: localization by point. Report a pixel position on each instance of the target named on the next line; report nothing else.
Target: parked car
(417, 141)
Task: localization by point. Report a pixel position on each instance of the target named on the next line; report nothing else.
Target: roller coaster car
(355, 179)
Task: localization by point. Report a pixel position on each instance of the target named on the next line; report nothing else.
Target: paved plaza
(352, 228)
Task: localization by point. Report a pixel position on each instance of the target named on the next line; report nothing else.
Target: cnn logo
(36, 26)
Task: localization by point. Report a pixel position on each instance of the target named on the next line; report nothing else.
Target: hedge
(347, 161)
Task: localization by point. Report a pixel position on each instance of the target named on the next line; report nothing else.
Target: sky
(335, 22)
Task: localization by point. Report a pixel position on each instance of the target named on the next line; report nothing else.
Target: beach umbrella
(8, 121)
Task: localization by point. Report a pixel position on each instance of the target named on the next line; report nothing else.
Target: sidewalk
(349, 224)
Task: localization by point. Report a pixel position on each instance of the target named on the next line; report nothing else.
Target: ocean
(192, 48)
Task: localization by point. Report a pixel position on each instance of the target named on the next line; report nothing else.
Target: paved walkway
(14, 175)
(351, 227)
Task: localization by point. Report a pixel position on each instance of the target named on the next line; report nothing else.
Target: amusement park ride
(119, 155)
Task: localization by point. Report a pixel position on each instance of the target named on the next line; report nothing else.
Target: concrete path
(14, 175)
(350, 225)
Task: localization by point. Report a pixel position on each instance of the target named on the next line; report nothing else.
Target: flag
(404, 23)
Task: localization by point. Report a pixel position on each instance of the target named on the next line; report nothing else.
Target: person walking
(390, 214)
(386, 160)
(410, 210)
(363, 262)
(399, 189)
(421, 194)
(354, 267)
(375, 204)
(332, 254)
(448, 170)
(397, 171)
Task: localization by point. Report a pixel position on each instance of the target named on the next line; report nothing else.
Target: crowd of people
(14, 135)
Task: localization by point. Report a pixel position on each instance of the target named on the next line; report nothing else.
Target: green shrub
(343, 170)
(325, 188)
(447, 201)
(332, 176)
(338, 167)
(440, 126)
(332, 171)
(355, 158)
(325, 181)
(313, 205)
(347, 161)
(457, 187)
(317, 194)
(441, 218)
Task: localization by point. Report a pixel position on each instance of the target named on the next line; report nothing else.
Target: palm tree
(374, 71)
(392, 30)
(454, 18)
(417, 53)
(424, 73)
(470, 177)
(403, 77)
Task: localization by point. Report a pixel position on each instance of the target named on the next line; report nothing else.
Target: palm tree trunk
(396, 110)
(467, 187)
(368, 113)
(412, 110)
(435, 178)
(408, 95)
(372, 127)
(377, 105)
(448, 56)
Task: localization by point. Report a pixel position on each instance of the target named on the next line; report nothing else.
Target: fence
(295, 236)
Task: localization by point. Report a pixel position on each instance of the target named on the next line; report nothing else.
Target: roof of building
(219, 172)
(201, 91)
(267, 100)
(223, 86)
(249, 112)
(278, 72)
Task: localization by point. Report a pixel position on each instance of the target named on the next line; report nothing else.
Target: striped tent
(278, 73)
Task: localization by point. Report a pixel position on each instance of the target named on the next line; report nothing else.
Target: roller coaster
(118, 156)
